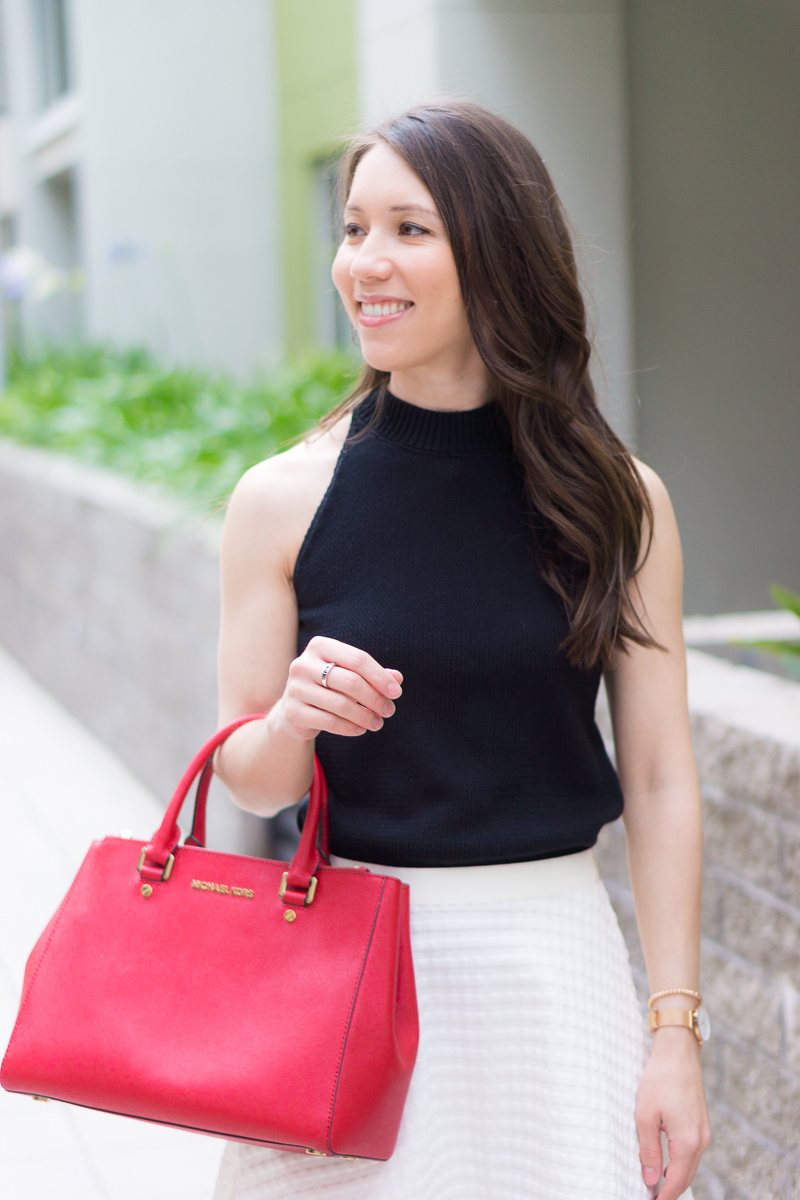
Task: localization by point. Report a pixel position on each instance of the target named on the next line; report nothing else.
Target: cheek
(443, 293)
(340, 274)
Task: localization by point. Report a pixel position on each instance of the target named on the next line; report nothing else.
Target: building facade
(170, 164)
(142, 139)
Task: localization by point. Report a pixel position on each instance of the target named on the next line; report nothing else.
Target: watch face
(703, 1022)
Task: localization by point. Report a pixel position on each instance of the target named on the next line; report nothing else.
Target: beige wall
(714, 104)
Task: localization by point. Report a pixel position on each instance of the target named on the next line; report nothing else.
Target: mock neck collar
(435, 430)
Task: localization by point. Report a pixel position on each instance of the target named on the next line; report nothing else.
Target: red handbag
(261, 1001)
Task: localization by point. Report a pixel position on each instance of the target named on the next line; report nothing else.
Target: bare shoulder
(274, 502)
(665, 528)
(655, 487)
(660, 573)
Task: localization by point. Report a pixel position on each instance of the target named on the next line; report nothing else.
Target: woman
(469, 531)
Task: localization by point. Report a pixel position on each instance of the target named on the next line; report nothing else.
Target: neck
(469, 387)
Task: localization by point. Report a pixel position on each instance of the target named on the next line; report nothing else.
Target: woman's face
(396, 274)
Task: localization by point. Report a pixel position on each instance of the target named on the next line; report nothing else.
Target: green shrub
(791, 602)
(781, 657)
(189, 431)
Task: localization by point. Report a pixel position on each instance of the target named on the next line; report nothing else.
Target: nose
(370, 260)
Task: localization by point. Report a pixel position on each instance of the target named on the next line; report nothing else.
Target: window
(50, 34)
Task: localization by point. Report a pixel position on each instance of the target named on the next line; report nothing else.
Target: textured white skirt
(531, 1047)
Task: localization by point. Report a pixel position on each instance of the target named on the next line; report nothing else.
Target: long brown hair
(519, 282)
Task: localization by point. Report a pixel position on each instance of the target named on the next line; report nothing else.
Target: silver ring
(326, 670)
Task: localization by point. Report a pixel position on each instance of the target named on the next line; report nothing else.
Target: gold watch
(696, 1019)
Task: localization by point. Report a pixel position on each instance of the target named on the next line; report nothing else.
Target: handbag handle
(197, 837)
(299, 883)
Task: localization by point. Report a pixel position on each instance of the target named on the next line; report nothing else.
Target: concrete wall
(746, 732)
(555, 68)
(714, 97)
(111, 602)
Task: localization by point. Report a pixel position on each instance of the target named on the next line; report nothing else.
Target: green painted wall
(316, 44)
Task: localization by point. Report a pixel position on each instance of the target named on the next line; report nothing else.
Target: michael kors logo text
(204, 886)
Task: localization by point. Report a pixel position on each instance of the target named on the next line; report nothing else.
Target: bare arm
(267, 765)
(647, 693)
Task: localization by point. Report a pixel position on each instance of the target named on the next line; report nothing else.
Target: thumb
(650, 1150)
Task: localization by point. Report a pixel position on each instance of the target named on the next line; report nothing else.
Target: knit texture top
(422, 553)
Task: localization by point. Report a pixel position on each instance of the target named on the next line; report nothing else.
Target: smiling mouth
(381, 311)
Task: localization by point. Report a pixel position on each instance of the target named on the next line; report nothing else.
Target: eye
(409, 229)
(352, 230)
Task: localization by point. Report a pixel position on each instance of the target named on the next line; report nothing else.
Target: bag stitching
(350, 1015)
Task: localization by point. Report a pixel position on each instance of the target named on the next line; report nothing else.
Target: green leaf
(785, 599)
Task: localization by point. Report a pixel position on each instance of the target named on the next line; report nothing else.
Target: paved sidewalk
(60, 789)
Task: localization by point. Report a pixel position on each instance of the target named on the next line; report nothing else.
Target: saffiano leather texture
(188, 991)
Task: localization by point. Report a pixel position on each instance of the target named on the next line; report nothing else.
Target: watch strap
(686, 1017)
(670, 1016)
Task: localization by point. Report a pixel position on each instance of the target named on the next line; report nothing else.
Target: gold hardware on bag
(165, 874)
(321, 1153)
(290, 915)
(310, 894)
(44, 1099)
(146, 890)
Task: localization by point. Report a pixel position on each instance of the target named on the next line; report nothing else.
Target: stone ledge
(761, 846)
(113, 493)
(753, 1167)
(746, 1003)
(744, 699)
(109, 597)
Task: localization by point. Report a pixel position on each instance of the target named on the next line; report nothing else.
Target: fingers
(387, 682)
(650, 1149)
(337, 704)
(355, 697)
(685, 1151)
(308, 720)
(684, 1158)
(357, 688)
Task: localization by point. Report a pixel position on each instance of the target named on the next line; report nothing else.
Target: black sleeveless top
(421, 554)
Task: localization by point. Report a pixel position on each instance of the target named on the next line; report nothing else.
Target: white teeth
(387, 309)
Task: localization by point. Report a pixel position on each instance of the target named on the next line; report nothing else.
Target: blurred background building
(172, 159)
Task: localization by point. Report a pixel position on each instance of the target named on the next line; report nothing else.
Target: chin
(385, 358)
(381, 362)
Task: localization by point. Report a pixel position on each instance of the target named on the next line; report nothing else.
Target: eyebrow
(420, 208)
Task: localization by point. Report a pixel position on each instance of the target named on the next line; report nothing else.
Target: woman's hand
(357, 696)
(671, 1098)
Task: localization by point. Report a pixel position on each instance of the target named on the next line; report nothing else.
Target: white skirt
(531, 1047)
